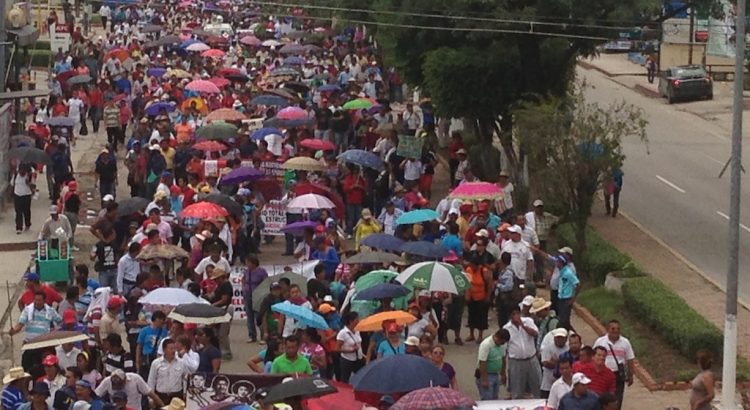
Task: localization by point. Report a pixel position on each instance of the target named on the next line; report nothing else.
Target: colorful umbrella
(383, 241)
(251, 41)
(271, 43)
(204, 210)
(431, 398)
(424, 249)
(311, 201)
(306, 187)
(218, 130)
(200, 104)
(292, 113)
(216, 40)
(343, 399)
(119, 53)
(317, 144)
(240, 175)
(189, 41)
(294, 60)
(203, 86)
(358, 104)
(373, 278)
(284, 71)
(220, 82)
(473, 191)
(374, 323)
(417, 216)
(228, 71)
(292, 49)
(53, 339)
(398, 374)
(303, 164)
(213, 52)
(435, 277)
(269, 100)
(225, 114)
(362, 158)
(155, 108)
(200, 313)
(298, 228)
(156, 71)
(279, 123)
(198, 47)
(329, 88)
(304, 316)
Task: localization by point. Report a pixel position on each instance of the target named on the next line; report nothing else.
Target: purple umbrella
(157, 72)
(241, 174)
(155, 108)
(298, 228)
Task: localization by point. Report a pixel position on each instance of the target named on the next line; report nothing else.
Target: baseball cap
(32, 276)
(108, 197)
(325, 308)
(580, 378)
(538, 202)
(119, 373)
(559, 332)
(83, 383)
(50, 360)
(41, 387)
(566, 249)
(53, 210)
(80, 404)
(527, 301)
(69, 317)
(114, 303)
(119, 395)
(275, 285)
(412, 341)
(515, 229)
(483, 233)
(503, 227)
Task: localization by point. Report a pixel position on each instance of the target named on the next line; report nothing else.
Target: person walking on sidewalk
(612, 191)
(620, 357)
(23, 190)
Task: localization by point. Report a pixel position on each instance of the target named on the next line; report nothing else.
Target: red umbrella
(216, 40)
(292, 113)
(204, 210)
(209, 146)
(220, 82)
(303, 188)
(269, 187)
(213, 52)
(341, 400)
(317, 145)
(202, 86)
(228, 71)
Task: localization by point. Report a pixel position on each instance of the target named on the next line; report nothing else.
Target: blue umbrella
(363, 158)
(263, 132)
(417, 216)
(303, 315)
(155, 108)
(186, 43)
(424, 249)
(157, 72)
(383, 241)
(383, 291)
(241, 174)
(298, 228)
(294, 60)
(123, 84)
(329, 87)
(270, 100)
(398, 374)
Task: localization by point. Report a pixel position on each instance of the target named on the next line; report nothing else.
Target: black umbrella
(373, 257)
(383, 291)
(425, 249)
(200, 313)
(202, 33)
(164, 41)
(296, 86)
(237, 77)
(30, 154)
(227, 203)
(132, 205)
(20, 138)
(301, 388)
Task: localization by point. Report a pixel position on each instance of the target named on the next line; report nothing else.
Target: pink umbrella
(202, 86)
(185, 4)
(477, 191)
(292, 113)
(214, 52)
(220, 82)
(250, 41)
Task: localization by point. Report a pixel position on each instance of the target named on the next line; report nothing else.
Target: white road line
(725, 216)
(714, 159)
(675, 187)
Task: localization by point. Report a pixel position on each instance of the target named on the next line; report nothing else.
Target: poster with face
(206, 389)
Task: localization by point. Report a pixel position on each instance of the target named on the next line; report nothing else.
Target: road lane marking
(725, 216)
(714, 159)
(675, 187)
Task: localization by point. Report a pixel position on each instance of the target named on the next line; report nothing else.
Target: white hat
(15, 373)
(566, 249)
(80, 405)
(461, 151)
(515, 229)
(108, 197)
(580, 378)
(559, 332)
(453, 211)
(538, 202)
(412, 341)
(527, 301)
(483, 233)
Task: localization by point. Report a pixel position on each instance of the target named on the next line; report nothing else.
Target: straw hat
(539, 304)
(217, 273)
(175, 404)
(14, 374)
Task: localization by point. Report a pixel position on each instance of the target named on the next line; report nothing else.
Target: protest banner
(273, 215)
(409, 147)
(207, 389)
(530, 404)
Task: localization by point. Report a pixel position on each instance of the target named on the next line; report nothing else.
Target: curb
(589, 66)
(647, 92)
(641, 89)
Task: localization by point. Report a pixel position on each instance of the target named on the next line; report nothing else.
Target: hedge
(600, 257)
(666, 312)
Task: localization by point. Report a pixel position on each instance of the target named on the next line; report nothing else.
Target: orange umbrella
(225, 114)
(120, 54)
(374, 323)
(213, 52)
(200, 105)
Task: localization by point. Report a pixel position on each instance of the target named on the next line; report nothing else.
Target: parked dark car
(685, 82)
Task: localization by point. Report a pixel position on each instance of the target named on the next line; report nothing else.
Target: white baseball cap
(527, 301)
(515, 229)
(580, 378)
(538, 202)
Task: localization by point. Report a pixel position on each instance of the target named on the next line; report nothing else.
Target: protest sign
(207, 389)
(273, 215)
(409, 146)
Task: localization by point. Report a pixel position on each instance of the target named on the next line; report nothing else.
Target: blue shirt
(385, 349)
(11, 398)
(39, 322)
(568, 283)
(148, 339)
(453, 243)
(329, 259)
(590, 401)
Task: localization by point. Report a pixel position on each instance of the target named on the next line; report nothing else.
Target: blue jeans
(108, 278)
(491, 391)
(252, 333)
(353, 212)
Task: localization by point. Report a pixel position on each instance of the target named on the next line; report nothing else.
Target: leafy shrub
(666, 312)
(600, 257)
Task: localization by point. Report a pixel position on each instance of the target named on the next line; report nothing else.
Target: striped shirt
(11, 398)
(82, 305)
(123, 361)
(38, 322)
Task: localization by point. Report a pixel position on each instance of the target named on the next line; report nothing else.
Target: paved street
(672, 186)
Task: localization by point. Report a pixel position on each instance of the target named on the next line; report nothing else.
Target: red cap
(320, 229)
(69, 317)
(114, 303)
(50, 360)
(392, 328)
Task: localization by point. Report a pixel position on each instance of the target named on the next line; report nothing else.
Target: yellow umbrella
(200, 105)
(303, 164)
(178, 73)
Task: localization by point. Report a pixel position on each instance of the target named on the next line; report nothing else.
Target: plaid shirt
(543, 225)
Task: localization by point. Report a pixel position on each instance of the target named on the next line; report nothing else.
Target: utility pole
(729, 370)
(692, 35)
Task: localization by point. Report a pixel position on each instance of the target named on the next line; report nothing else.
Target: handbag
(84, 129)
(621, 373)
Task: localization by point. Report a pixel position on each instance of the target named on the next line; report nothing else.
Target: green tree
(576, 146)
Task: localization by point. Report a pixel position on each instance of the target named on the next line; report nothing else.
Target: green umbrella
(358, 104)
(217, 131)
(435, 277)
(264, 288)
(373, 278)
(367, 307)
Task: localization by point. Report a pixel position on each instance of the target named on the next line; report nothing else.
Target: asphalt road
(672, 187)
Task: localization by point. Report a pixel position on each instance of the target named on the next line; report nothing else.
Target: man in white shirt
(132, 384)
(411, 119)
(522, 260)
(214, 258)
(528, 234)
(550, 353)
(619, 353)
(504, 205)
(412, 171)
(523, 366)
(388, 217)
(128, 269)
(167, 373)
(561, 386)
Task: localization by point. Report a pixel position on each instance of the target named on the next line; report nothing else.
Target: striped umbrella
(435, 277)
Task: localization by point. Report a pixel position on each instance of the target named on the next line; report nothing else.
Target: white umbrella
(198, 47)
(311, 201)
(435, 277)
(271, 43)
(170, 297)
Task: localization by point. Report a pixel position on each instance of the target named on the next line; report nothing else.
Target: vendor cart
(53, 259)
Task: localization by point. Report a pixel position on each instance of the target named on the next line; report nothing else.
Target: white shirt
(559, 389)
(412, 120)
(417, 328)
(74, 108)
(290, 325)
(21, 184)
(222, 264)
(506, 202)
(520, 254)
(350, 340)
(412, 170)
(621, 347)
(165, 376)
(529, 236)
(128, 269)
(549, 351)
(521, 344)
(135, 388)
(67, 359)
(389, 223)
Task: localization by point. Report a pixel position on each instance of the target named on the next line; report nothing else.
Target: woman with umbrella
(478, 297)
(392, 345)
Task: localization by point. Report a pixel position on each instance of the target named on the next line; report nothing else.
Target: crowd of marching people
(211, 124)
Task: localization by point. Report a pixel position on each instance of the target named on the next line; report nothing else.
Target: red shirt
(453, 147)
(96, 99)
(601, 381)
(51, 296)
(355, 195)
